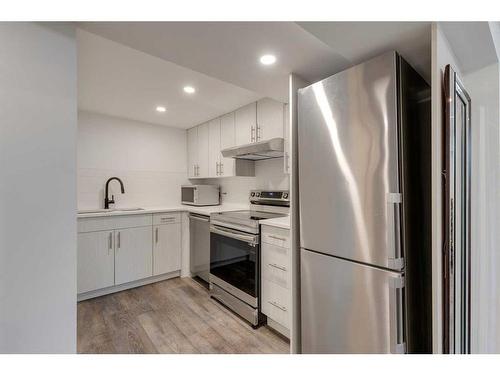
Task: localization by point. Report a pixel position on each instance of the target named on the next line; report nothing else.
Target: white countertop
(280, 222)
(202, 210)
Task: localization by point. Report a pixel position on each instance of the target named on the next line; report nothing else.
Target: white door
(133, 254)
(166, 248)
(95, 261)
(269, 119)
(192, 146)
(227, 140)
(203, 150)
(245, 124)
(214, 147)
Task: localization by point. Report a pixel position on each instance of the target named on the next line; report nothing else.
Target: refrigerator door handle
(396, 260)
(397, 318)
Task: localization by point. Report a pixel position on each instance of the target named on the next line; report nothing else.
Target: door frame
(454, 90)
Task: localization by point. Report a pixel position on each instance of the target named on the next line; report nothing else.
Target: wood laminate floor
(173, 316)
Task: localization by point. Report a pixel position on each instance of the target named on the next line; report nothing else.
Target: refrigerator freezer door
(348, 164)
(349, 307)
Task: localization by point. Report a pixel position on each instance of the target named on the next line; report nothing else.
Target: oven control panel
(272, 197)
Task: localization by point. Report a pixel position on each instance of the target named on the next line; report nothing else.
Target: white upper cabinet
(254, 122)
(269, 119)
(227, 140)
(245, 124)
(203, 150)
(214, 146)
(192, 144)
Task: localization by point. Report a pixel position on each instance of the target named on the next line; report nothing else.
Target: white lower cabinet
(119, 252)
(276, 276)
(95, 261)
(133, 254)
(166, 248)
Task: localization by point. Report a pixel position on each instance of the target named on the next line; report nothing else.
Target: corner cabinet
(120, 252)
(254, 122)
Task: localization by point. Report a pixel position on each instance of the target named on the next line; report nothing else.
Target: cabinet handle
(221, 168)
(217, 168)
(168, 218)
(277, 238)
(278, 306)
(252, 134)
(278, 267)
(110, 241)
(156, 235)
(119, 241)
(258, 132)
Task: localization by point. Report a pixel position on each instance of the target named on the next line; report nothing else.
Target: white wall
(150, 160)
(37, 188)
(269, 175)
(484, 88)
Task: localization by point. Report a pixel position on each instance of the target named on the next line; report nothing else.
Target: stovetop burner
(251, 215)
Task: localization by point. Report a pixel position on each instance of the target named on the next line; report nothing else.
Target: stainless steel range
(235, 252)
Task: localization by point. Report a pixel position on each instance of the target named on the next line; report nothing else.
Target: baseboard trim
(278, 328)
(130, 285)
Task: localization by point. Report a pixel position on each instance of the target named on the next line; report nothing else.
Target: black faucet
(107, 201)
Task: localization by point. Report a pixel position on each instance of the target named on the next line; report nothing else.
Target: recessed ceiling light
(268, 59)
(161, 108)
(189, 89)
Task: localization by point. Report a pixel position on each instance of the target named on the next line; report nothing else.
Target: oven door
(234, 262)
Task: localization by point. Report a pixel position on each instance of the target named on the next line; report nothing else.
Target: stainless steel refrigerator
(365, 210)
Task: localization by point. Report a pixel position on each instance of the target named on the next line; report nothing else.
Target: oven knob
(252, 194)
(285, 195)
(257, 194)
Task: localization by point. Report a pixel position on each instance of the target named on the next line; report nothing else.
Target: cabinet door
(192, 147)
(227, 140)
(214, 147)
(245, 124)
(133, 254)
(166, 248)
(95, 261)
(269, 119)
(203, 150)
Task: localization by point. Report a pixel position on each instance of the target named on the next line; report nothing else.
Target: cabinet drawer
(276, 303)
(93, 224)
(276, 236)
(166, 218)
(275, 265)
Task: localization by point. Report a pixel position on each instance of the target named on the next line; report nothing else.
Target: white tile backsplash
(268, 175)
(150, 160)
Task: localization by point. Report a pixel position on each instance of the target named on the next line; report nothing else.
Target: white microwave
(200, 195)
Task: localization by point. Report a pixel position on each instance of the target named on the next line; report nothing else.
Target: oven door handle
(252, 239)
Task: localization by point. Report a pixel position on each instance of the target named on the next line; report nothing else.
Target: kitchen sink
(102, 210)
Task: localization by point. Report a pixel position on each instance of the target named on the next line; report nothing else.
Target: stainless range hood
(270, 149)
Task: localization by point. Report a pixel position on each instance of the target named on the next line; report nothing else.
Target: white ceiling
(116, 80)
(229, 52)
(473, 43)
(360, 41)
